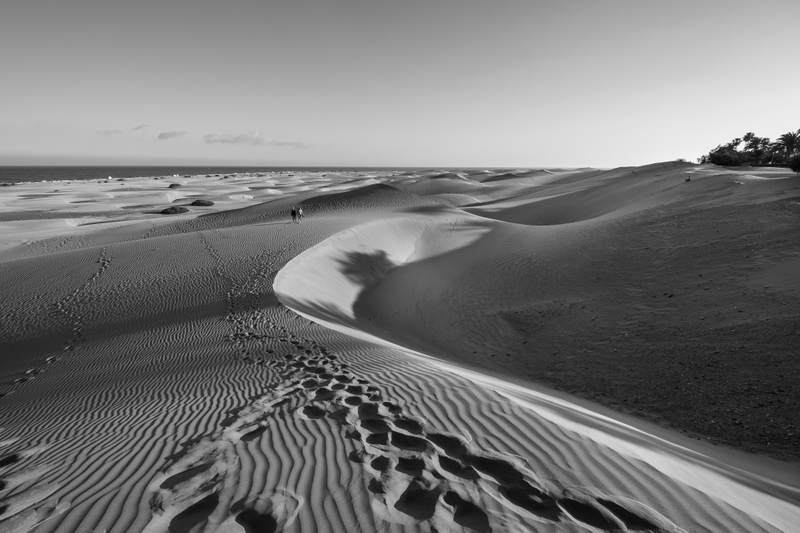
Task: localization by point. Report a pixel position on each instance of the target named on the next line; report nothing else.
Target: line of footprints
(25, 500)
(66, 310)
(251, 326)
(416, 475)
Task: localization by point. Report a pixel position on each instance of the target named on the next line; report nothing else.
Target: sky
(391, 82)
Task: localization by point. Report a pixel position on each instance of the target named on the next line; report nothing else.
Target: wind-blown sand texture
(378, 367)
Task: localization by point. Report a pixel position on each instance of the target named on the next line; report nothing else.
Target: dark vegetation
(758, 151)
(174, 210)
(794, 163)
(203, 203)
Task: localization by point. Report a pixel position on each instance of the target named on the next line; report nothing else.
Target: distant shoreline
(37, 173)
(26, 174)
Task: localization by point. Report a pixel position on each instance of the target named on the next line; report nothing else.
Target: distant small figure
(294, 215)
(299, 215)
(688, 178)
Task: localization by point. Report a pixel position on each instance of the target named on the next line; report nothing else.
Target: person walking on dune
(299, 215)
(294, 215)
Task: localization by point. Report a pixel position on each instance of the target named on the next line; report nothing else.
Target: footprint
(194, 515)
(254, 434)
(375, 425)
(407, 424)
(375, 486)
(378, 439)
(323, 395)
(409, 442)
(532, 500)
(356, 456)
(502, 471)
(392, 407)
(313, 412)
(381, 463)
(631, 520)
(339, 415)
(267, 512)
(9, 459)
(254, 522)
(368, 411)
(171, 482)
(467, 514)
(581, 511)
(457, 469)
(418, 501)
(410, 465)
(452, 446)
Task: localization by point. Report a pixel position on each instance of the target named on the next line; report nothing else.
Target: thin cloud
(109, 133)
(164, 135)
(139, 127)
(297, 145)
(251, 139)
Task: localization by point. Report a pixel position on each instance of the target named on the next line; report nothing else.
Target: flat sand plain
(469, 350)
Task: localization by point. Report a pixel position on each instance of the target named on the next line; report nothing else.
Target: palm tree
(755, 147)
(734, 144)
(790, 142)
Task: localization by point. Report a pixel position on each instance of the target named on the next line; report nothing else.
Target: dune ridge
(312, 285)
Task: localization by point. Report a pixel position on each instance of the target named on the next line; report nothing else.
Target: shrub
(794, 163)
(203, 203)
(174, 210)
(725, 156)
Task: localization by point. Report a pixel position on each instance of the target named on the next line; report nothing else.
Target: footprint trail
(416, 475)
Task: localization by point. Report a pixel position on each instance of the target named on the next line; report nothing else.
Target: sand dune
(324, 284)
(375, 368)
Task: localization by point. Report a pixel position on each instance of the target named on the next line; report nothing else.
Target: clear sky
(392, 82)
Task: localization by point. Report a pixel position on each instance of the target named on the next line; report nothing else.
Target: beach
(427, 350)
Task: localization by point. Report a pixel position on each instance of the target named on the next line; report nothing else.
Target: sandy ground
(402, 360)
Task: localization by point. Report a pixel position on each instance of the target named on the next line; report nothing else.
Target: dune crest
(324, 283)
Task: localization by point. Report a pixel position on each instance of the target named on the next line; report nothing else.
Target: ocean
(12, 174)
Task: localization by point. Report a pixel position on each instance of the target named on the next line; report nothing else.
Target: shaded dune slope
(582, 196)
(539, 175)
(377, 196)
(689, 294)
(427, 187)
(520, 298)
